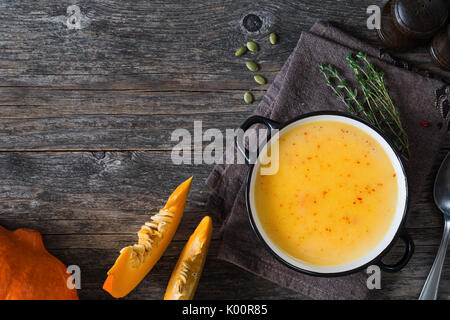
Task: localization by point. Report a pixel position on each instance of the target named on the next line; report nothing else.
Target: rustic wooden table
(86, 116)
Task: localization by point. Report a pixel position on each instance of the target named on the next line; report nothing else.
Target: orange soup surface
(334, 196)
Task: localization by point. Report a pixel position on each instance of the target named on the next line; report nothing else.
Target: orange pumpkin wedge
(134, 262)
(187, 272)
(28, 271)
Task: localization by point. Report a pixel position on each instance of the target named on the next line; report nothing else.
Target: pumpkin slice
(28, 271)
(187, 272)
(137, 260)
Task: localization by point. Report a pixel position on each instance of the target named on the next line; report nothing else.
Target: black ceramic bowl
(396, 229)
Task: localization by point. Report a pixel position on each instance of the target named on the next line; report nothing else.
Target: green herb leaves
(374, 104)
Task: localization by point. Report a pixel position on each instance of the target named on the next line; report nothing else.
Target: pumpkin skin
(28, 271)
(186, 274)
(130, 268)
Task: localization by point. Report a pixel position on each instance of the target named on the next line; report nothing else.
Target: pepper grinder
(406, 24)
(439, 48)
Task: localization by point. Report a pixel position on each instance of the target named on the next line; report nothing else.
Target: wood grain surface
(86, 117)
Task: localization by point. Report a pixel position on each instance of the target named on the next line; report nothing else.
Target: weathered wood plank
(91, 186)
(67, 190)
(37, 103)
(64, 239)
(89, 205)
(122, 37)
(132, 74)
(94, 186)
(105, 132)
(135, 70)
(221, 280)
(86, 204)
(157, 37)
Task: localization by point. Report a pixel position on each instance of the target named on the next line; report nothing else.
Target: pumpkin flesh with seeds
(28, 271)
(134, 262)
(186, 274)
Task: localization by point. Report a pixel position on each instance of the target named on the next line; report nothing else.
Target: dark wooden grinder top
(406, 24)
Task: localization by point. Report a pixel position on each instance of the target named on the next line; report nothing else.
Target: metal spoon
(442, 200)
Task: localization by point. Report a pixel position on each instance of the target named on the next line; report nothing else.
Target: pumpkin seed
(273, 38)
(252, 66)
(252, 46)
(259, 79)
(248, 98)
(150, 235)
(241, 51)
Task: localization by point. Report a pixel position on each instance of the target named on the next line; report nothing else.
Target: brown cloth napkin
(299, 88)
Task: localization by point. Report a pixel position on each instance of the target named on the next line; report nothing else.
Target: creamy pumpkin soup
(334, 196)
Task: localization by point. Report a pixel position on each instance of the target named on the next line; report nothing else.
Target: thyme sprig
(375, 104)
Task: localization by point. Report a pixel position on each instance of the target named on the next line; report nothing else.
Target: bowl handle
(270, 124)
(409, 250)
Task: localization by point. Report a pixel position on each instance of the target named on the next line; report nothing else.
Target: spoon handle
(430, 289)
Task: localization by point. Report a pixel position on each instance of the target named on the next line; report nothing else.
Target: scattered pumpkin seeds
(273, 38)
(252, 46)
(241, 51)
(252, 66)
(259, 79)
(248, 98)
